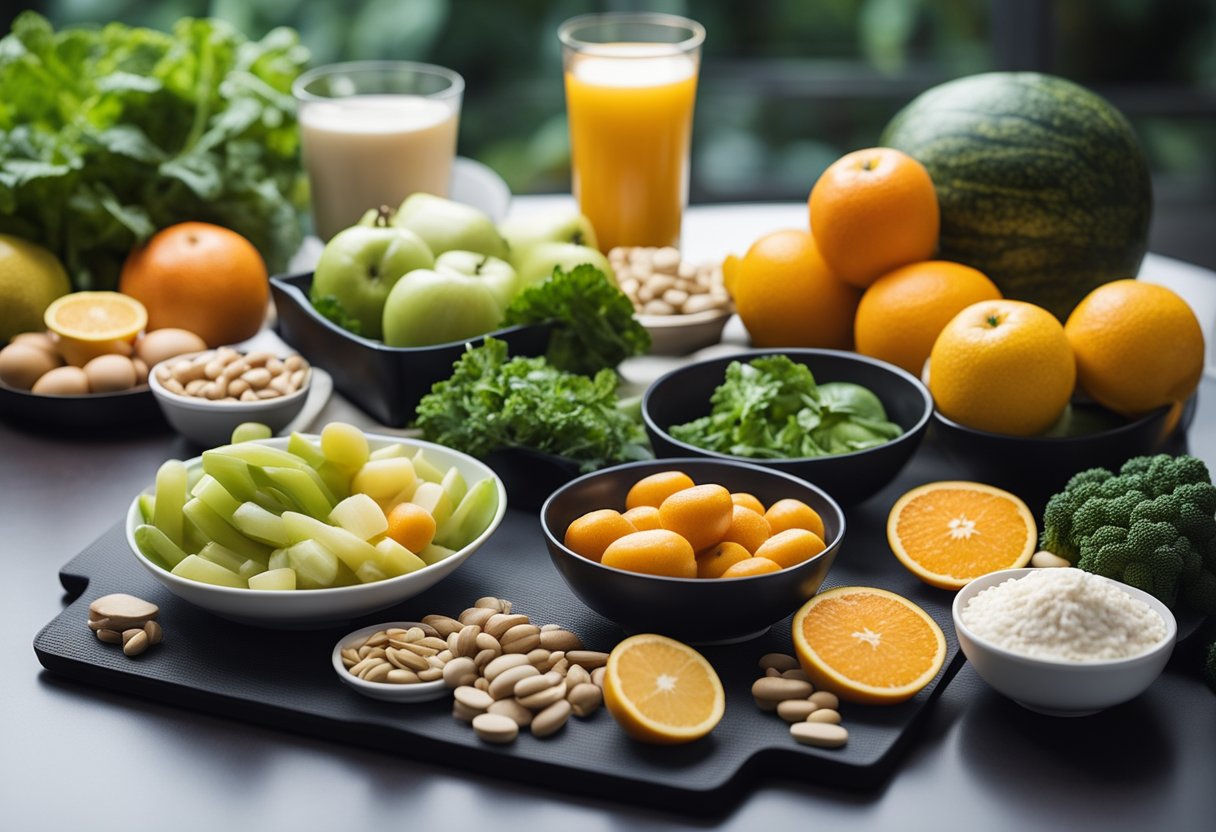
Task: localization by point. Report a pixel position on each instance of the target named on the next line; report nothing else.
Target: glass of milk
(374, 132)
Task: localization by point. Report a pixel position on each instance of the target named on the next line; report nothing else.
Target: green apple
(449, 226)
(538, 264)
(359, 267)
(429, 307)
(524, 233)
(497, 274)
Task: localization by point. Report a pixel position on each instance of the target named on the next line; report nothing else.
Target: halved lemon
(95, 323)
(662, 691)
(947, 533)
(867, 645)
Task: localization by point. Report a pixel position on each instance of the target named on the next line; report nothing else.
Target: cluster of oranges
(676, 528)
(860, 277)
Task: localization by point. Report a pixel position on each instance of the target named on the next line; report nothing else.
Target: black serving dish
(684, 394)
(695, 610)
(530, 476)
(387, 382)
(127, 409)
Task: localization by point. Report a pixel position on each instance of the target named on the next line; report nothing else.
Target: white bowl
(419, 692)
(683, 334)
(210, 423)
(314, 608)
(1054, 686)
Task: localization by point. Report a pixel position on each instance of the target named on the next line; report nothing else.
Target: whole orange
(199, 277)
(786, 296)
(903, 312)
(1138, 346)
(1003, 366)
(874, 210)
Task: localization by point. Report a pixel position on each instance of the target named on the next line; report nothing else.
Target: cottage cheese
(1064, 614)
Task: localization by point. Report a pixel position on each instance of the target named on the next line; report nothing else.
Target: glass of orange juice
(374, 132)
(631, 80)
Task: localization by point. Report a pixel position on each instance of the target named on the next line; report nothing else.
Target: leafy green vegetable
(771, 408)
(491, 402)
(109, 134)
(594, 324)
(330, 307)
(1151, 526)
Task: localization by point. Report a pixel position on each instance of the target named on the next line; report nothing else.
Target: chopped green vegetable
(330, 308)
(491, 403)
(594, 324)
(1151, 526)
(110, 134)
(771, 408)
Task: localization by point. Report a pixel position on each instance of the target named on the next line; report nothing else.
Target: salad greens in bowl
(842, 421)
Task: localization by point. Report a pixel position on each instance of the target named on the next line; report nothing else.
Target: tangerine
(652, 490)
(652, 552)
(662, 691)
(592, 533)
(701, 514)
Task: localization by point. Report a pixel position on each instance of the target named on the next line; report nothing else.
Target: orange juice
(630, 109)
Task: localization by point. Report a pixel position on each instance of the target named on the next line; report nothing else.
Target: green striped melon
(1042, 184)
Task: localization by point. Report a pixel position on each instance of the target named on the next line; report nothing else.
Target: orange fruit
(200, 277)
(654, 489)
(791, 547)
(903, 312)
(786, 296)
(872, 211)
(714, 561)
(747, 528)
(662, 691)
(411, 525)
(1003, 366)
(751, 566)
(90, 324)
(742, 498)
(793, 514)
(643, 517)
(867, 645)
(730, 268)
(947, 533)
(701, 514)
(653, 552)
(592, 533)
(1138, 346)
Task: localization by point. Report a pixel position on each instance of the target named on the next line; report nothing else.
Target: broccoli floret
(1152, 526)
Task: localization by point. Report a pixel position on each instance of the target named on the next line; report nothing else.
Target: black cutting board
(285, 680)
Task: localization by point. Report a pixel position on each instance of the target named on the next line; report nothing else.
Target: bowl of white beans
(205, 395)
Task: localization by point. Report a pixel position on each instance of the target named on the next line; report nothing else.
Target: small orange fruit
(872, 211)
(751, 566)
(90, 324)
(791, 547)
(903, 312)
(702, 514)
(411, 525)
(653, 552)
(867, 645)
(747, 528)
(714, 561)
(662, 691)
(1003, 366)
(654, 489)
(787, 297)
(742, 498)
(947, 533)
(199, 277)
(793, 514)
(1138, 346)
(643, 517)
(592, 533)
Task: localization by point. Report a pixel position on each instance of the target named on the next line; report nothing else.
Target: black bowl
(387, 382)
(683, 395)
(133, 410)
(699, 611)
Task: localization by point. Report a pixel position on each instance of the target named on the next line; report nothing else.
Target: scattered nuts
(126, 620)
(820, 734)
(813, 715)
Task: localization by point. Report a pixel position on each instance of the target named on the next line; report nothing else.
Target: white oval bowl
(314, 608)
(386, 691)
(1057, 687)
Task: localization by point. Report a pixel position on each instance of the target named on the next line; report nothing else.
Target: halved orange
(662, 691)
(947, 533)
(867, 645)
(90, 324)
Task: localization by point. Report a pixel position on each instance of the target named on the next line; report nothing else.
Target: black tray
(108, 412)
(286, 681)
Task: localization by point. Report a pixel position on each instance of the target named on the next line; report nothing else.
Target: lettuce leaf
(110, 134)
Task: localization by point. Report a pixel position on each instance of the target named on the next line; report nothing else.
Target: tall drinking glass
(631, 80)
(374, 132)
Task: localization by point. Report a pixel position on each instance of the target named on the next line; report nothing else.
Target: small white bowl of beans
(354, 659)
(205, 395)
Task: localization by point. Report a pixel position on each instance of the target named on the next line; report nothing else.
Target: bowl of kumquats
(706, 551)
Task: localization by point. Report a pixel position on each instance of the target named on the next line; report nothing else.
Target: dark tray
(108, 412)
(286, 681)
